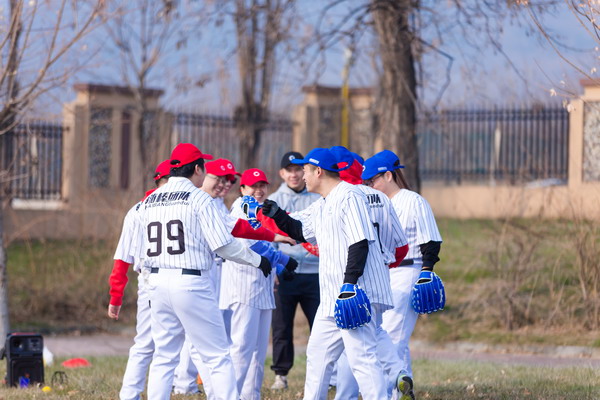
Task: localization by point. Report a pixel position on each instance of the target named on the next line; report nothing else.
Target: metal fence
(216, 134)
(511, 145)
(31, 159)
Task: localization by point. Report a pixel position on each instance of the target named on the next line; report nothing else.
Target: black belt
(184, 271)
(407, 261)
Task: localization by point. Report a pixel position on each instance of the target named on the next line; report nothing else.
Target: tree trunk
(397, 100)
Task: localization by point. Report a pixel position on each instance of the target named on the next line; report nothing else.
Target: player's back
(180, 226)
(417, 220)
(386, 222)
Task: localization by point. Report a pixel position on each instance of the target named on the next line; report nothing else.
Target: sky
(528, 71)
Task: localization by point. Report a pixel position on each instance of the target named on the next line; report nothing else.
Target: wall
(85, 210)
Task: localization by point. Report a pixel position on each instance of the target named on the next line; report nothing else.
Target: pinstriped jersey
(243, 283)
(387, 225)
(417, 220)
(181, 227)
(124, 248)
(337, 222)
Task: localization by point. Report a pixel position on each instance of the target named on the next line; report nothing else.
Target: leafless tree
(406, 31)
(143, 33)
(261, 26)
(34, 38)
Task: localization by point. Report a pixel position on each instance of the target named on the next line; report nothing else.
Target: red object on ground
(76, 363)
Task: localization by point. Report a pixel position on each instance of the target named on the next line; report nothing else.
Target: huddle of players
(361, 241)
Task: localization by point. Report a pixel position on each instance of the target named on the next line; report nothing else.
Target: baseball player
(140, 354)
(382, 172)
(250, 298)
(181, 229)
(394, 246)
(304, 288)
(218, 179)
(218, 173)
(349, 253)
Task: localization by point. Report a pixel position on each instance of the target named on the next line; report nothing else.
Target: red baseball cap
(252, 176)
(162, 170)
(185, 153)
(221, 167)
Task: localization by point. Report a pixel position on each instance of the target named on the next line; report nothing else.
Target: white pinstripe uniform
(249, 296)
(391, 236)
(336, 222)
(181, 229)
(190, 363)
(420, 227)
(140, 354)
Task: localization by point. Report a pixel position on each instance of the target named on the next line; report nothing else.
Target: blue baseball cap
(383, 161)
(323, 158)
(345, 155)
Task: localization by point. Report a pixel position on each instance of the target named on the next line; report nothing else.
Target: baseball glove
(428, 294)
(352, 307)
(250, 208)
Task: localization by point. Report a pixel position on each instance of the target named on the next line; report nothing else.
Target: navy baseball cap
(383, 161)
(323, 158)
(288, 157)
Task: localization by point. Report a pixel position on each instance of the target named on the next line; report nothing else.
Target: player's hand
(270, 208)
(288, 273)
(284, 239)
(113, 311)
(265, 266)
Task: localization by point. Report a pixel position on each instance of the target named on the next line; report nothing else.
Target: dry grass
(442, 380)
(518, 281)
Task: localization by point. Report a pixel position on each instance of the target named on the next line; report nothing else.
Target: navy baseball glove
(352, 307)
(250, 208)
(428, 294)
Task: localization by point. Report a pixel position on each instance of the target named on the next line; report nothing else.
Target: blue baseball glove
(250, 208)
(352, 307)
(428, 294)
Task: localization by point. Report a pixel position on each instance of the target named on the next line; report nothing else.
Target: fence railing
(503, 145)
(216, 134)
(31, 159)
(509, 145)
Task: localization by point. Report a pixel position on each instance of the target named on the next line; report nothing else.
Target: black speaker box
(24, 359)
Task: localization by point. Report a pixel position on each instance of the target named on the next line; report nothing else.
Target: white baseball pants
(400, 321)
(140, 354)
(347, 387)
(326, 344)
(249, 341)
(186, 304)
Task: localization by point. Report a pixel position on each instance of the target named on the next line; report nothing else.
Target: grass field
(441, 380)
(515, 282)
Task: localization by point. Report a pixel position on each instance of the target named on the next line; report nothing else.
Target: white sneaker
(404, 384)
(280, 383)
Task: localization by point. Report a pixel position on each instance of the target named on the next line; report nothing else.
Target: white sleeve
(427, 229)
(237, 252)
(356, 222)
(216, 231)
(306, 218)
(125, 247)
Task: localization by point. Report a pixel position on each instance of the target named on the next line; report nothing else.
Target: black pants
(303, 290)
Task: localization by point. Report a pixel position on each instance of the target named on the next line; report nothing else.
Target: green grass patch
(443, 380)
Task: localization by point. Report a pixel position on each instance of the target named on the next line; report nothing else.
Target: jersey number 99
(174, 233)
